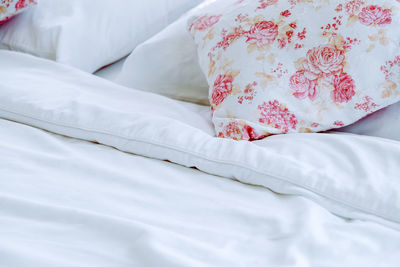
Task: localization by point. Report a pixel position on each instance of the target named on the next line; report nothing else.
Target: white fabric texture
(67, 203)
(86, 34)
(167, 64)
(352, 176)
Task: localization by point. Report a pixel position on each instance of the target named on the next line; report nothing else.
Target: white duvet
(69, 202)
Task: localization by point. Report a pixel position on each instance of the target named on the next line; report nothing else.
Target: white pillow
(89, 34)
(167, 64)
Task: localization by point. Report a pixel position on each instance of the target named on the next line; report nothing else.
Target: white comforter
(69, 202)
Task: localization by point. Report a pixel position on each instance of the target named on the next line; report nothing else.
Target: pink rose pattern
(262, 33)
(344, 88)
(338, 123)
(352, 7)
(222, 88)
(368, 105)
(266, 3)
(391, 67)
(323, 60)
(239, 130)
(302, 86)
(318, 82)
(10, 8)
(205, 22)
(375, 15)
(278, 116)
(323, 65)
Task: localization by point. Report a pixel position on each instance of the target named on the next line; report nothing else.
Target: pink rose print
(205, 22)
(344, 88)
(222, 88)
(390, 66)
(235, 131)
(353, 7)
(229, 38)
(375, 15)
(323, 63)
(241, 17)
(281, 43)
(249, 93)
(368, 105)
(262, 33)
(266, 3)
(231, 130)
(338, 123)
(302, 86)
(323, 60)
(272, 113)
(23, 3)
(251, 134)
(302, 35)
(286, 13)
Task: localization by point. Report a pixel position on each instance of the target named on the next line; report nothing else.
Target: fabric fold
(352, 176)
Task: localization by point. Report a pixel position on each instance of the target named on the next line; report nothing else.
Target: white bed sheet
(66, 202)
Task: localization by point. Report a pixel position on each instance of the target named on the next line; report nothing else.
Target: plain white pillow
(89, 34)
(167, 64)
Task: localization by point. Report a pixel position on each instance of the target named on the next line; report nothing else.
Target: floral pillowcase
(10, 8)
(290, 66)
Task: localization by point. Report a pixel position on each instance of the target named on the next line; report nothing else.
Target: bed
(93, 173)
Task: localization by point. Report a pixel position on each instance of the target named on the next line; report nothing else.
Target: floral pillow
(297, 66)
(10, 8)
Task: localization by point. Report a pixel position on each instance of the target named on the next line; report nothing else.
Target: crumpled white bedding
(67, 202)
(90, 205)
